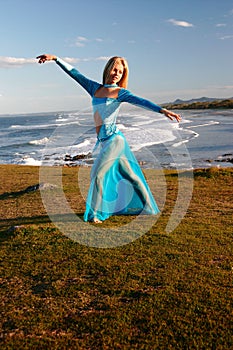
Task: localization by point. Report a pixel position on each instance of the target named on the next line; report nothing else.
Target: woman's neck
(110, 85)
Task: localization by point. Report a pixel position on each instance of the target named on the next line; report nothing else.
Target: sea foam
(42, 141)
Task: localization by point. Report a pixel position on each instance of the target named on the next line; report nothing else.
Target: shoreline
(144, 169)
(221, 163)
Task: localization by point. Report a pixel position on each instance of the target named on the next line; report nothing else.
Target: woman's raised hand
(46, 57)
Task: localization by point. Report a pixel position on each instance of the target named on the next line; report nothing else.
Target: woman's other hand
(171, 115)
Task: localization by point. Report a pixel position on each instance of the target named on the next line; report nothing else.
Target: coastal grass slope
(162, 291)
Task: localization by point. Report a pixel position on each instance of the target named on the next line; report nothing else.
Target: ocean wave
(192, 134)
(212, 122)
(126, 127)
(143, 123)
(26, 140)
(185, 121)
(83, 144)
(30, 161)
(15, 126)
(42, 141)
(43, 126)
(60, 119)
(32, 127)
(84, 147)
(139, 138)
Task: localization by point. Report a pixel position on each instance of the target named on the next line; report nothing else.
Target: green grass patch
(162, 291)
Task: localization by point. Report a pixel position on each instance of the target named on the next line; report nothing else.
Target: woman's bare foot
(97, 221)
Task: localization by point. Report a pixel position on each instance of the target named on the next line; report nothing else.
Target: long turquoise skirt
(118, 186)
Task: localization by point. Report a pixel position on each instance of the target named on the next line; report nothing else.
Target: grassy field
(162, 291)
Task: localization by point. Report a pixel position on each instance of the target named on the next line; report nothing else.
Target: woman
(117, 184)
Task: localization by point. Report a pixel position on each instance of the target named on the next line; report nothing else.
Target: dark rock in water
(225, 158)
(68, 157)
(79, 156)
(227, 154)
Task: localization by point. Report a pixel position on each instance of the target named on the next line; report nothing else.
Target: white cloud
(102, 58)
(221, 25)
(14, 62)
(226, 37)
(9, 62)
(81, 41)
(73, 60)
(179, 23)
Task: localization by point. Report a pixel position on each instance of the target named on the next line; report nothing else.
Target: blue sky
(175, 49)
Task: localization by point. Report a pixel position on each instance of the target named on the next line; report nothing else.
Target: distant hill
(200, 99)
(200, 103)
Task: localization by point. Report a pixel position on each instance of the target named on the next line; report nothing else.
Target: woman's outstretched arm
(127, 96)
(89, 85)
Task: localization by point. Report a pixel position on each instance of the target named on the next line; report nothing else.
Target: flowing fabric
(118, 186)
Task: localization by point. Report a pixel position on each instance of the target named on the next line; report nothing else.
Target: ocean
(202, 139)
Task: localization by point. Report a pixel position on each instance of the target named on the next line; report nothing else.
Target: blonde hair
(110, 65)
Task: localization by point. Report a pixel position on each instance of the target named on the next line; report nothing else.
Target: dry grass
(162, 291)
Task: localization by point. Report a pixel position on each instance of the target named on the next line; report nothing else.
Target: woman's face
(115, 73)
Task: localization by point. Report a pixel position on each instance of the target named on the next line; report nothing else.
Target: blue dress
(118, 186)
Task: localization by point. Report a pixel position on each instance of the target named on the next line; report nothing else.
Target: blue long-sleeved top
(106, 109)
